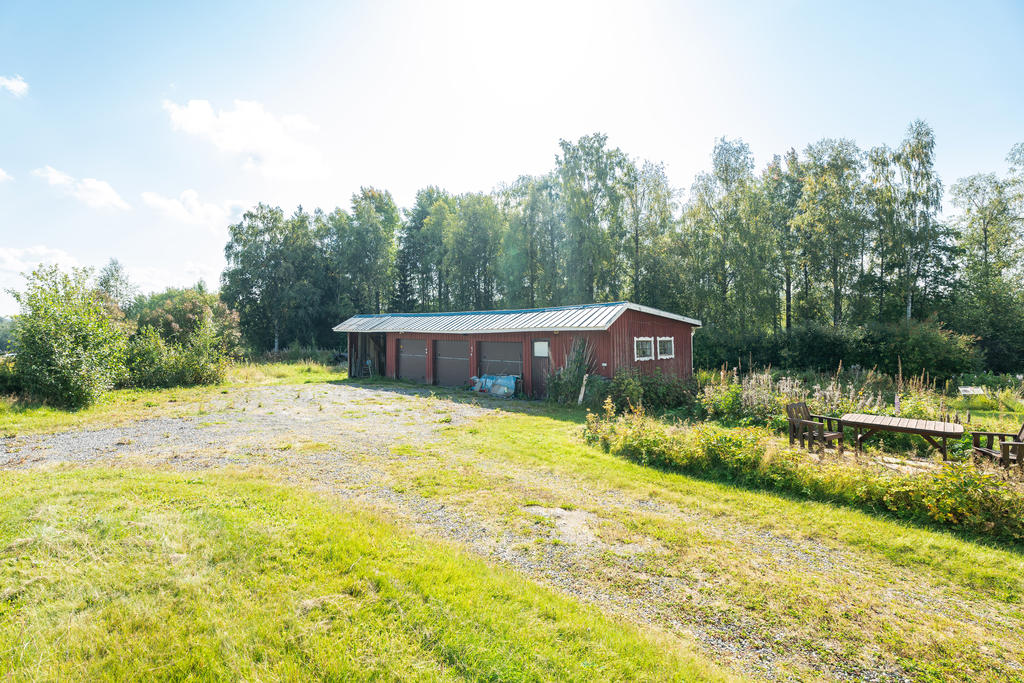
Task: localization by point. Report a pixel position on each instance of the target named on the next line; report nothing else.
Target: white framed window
(643, 348)
(666, 348)
(540, 348)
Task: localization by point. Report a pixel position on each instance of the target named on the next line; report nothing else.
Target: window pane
(644, 348)
(666, 347)
(540, 349)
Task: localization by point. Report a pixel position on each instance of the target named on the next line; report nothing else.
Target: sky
(140, 131)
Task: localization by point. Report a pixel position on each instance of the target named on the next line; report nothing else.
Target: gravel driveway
(354, 442)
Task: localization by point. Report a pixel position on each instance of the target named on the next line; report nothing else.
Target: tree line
(830, 238)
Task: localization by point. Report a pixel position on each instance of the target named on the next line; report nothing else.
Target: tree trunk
(789, 299)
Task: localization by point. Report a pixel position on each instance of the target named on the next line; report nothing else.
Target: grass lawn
(125, 405)
(224, 574)
(961, 620)
(144, 574)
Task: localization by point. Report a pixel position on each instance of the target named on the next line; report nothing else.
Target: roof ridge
(506, 311)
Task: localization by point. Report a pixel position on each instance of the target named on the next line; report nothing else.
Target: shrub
(153, 362)
(956, 496)
(564, 382)
(68, 351)
(9, 382)
(628, 389)
(179, 315)
(917, 346)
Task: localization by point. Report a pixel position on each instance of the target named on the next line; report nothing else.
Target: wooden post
(583, 389)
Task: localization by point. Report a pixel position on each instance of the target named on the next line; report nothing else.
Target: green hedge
(958, 496)
(913, 347)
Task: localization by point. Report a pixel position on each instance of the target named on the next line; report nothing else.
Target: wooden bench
(1010, 449)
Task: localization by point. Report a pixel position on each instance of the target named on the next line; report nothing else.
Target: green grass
(852, 611)
(263, 577)
(124, 405)
(139, 574)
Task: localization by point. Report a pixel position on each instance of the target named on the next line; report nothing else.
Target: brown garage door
(451, 363)
(412, 360)
(501, 358)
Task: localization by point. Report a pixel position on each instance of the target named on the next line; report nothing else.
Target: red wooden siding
(613, 348)
(636, 324)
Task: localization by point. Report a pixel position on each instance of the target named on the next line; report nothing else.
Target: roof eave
(663, 314)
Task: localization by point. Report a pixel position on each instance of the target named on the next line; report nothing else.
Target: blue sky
(139, 131)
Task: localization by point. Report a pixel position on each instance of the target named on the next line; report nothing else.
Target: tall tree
(589, 174)
(830, 218)
(472, 242)
(271, 277)
(371, 255)
(920, 203)
(648, 207)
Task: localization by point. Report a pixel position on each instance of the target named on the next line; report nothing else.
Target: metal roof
(561, 318)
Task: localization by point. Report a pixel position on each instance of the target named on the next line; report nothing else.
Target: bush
(564, 382)
(957, 496)
(628, 389)
(179, 315)
(917, 346)
(9, 382)
(68, 351)
(154, 363)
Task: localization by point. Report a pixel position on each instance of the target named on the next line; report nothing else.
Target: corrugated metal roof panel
(584, 317)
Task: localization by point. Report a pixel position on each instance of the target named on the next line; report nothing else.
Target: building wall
(632, 324)
(612, 349)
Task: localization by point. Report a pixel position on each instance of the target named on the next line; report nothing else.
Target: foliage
(9, 380)
(655, 392)
(296, 353)
(565, 381)
(154, 362)
(180, 315)
(758, 398)
(912, 348)
(6, 333)
(69, 351)
(113, 282)
(829, 254)
(628, 389)
(956, 496)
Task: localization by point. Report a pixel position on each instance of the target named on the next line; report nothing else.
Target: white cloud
(97, 194)
(276, 146)
(188, 209)
(53, 176)
(14, 262)
(157, 279)
(16, 85)
(5, 176)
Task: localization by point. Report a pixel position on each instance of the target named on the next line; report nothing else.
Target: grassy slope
(139, 573)
(125, 405)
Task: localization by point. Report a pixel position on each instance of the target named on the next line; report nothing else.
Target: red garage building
(448, 348)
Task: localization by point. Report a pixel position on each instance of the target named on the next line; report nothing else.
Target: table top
(903, 424)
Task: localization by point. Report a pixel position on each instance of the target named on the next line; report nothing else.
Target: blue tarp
(495, 385)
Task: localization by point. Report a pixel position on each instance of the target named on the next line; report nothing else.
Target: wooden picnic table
(930, 430)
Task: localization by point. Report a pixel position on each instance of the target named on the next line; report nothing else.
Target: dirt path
(359, 443)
